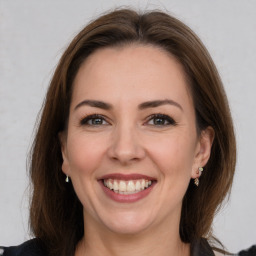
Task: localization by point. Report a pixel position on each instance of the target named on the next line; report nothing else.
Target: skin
(128, 140)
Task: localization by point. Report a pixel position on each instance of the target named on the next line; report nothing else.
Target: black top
(249, 252)
(33, 248)
(29, 248)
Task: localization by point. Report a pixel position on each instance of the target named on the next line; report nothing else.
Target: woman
(135, 149)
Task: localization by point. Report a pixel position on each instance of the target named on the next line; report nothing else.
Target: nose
(126, 146)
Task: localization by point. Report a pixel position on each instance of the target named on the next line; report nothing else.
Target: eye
(161, 120)
(93, 120)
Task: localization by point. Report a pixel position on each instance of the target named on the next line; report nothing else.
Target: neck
(156, 241)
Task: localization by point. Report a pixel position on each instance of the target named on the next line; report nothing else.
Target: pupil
(97, 121)
(159, 121)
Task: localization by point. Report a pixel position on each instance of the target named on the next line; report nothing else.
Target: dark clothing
(33, 248)
(249, 252)
(201, 248)
(29, 248)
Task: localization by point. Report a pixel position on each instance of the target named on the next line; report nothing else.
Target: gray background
(33, 35)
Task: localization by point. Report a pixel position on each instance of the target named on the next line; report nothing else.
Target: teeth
(110, 185)
(115, 185)
(122, 186)
(130, 186)
(137, 186)
(143, 183)
(127, 187)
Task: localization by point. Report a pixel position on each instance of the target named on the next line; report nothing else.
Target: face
(131, 146)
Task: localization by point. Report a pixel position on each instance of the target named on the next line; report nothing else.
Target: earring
(199, 172)
(67, 179)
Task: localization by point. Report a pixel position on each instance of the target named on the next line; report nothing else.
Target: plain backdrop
(33, 35)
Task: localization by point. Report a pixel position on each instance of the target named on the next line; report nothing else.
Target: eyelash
(164, 117)
(85, 120)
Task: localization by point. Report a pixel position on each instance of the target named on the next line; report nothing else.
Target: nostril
(125, 157)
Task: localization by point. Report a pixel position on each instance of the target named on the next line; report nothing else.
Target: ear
(203, 150)
(63, 142)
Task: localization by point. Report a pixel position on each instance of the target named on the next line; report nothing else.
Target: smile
(127, 187)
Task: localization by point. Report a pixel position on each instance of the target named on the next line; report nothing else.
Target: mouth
(127, 188)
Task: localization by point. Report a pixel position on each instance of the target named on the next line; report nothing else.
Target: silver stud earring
(67, 179)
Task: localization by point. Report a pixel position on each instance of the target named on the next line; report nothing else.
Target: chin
(127, 229)
(127, 223)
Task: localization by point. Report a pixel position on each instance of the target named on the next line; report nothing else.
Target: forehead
(133, 71)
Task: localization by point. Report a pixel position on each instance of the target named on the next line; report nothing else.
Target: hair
(56, 214)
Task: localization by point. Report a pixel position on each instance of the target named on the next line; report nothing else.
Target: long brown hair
(56, 216)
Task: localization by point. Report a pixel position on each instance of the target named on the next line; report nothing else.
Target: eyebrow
(144, 105)
(157, 103)
(95, 104)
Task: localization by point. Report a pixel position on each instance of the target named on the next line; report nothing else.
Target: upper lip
(120, 176)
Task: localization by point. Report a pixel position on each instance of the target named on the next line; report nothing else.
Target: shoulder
(249, 252)
(32, 247)
(201, 247)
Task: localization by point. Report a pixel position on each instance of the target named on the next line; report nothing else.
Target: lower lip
(121, 198)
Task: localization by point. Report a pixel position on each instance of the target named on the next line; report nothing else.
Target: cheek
(85, 156)
(174, 155)
(173, 158)
(84, 153)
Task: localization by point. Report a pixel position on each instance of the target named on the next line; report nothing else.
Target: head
(56, 212)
